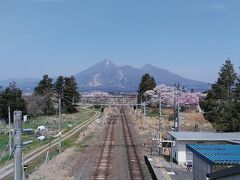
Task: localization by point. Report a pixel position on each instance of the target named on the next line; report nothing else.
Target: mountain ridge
(106, 76)
(109, 77)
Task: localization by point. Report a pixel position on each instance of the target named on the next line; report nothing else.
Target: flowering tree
(170, 96)
(188, 100)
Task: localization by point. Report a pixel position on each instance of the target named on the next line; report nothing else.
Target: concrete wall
(180, 150)
(181, 155)
(174, 151)
(200, 168)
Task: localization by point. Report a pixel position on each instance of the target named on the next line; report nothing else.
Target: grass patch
(34, 165)
(151, 111)
(53, 153)
(3, 142)
(80, 147)
(5, 158)
(68, 143)
(69, 121)
(35, 144)
(154, 111)
(3, 145)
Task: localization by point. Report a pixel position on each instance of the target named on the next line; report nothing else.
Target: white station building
(180, 153)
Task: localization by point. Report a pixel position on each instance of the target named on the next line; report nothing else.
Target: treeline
(222, 104)
(45, 98)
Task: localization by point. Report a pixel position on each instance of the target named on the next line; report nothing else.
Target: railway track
(103, 164)
(133, 162)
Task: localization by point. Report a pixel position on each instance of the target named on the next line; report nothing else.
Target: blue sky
(189, 37)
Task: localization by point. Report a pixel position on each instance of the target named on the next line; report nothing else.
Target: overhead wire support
(59, 125)
(10, 132)
(176, 108)
(160, 111)
(17, 145)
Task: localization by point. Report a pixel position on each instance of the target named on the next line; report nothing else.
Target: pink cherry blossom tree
(169, 95)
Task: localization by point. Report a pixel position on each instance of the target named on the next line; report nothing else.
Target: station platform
(161, 169)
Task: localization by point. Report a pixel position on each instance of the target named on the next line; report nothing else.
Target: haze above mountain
(108, 77)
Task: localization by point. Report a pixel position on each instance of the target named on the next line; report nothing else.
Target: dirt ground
(57, 167)
(148, 127)
(188, 120)
(65, 165)
(78, 162)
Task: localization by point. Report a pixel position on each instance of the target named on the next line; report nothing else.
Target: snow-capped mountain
(106, 76)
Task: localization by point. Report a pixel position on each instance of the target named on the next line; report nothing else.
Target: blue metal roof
(217, 154)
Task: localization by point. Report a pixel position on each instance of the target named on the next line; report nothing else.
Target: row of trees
(46, 95)
(171, 96)
(44, 100)
(148, 92)
(222, 104)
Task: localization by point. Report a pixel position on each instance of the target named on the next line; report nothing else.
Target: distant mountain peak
(148, 66)
(107, 62)
(106, 76)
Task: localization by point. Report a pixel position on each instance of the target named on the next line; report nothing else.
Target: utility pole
(178, 115)
(17, 145)
(10, 133)
(177, 112)
(171, 156)
(59, 127)
(160, 115)
(144, 110)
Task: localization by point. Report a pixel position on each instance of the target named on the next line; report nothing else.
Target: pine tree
(59, 85)
(11, 96)
(227, 77)
(45, 89)
(147, 83)
(44, 86)
(237, 89)
(237, 103)
(220, 106)
(70, 95)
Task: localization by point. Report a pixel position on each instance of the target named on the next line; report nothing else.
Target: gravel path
(139, 143)
(120, 165)
(83, 165)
